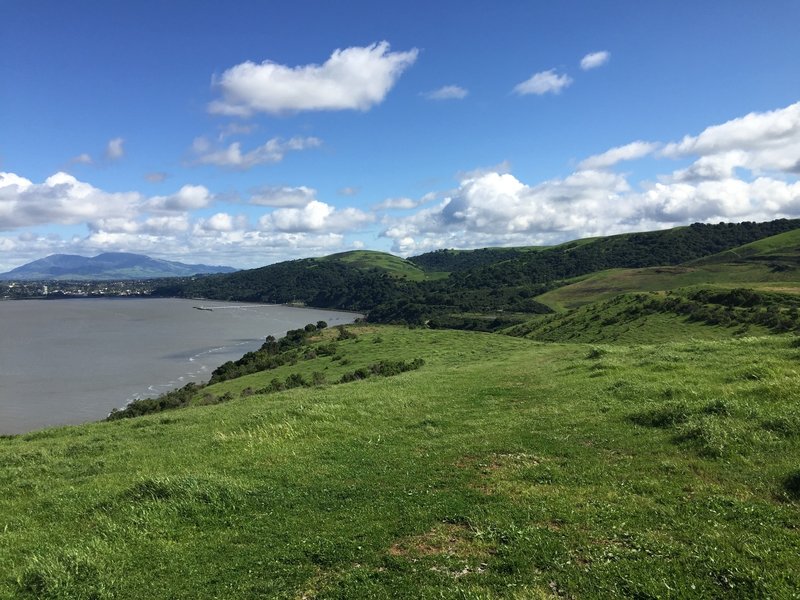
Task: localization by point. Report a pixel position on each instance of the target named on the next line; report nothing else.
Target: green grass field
(784, 247)
(772, 263)
(503, 468)
(370, 259)
(607, 284)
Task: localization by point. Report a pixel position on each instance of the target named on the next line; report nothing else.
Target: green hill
(504, 288)
(772, 263)
(777, 251)
(370, 259)
(501, 467)
(449, 261)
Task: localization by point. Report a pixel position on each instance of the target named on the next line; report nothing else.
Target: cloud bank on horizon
(743, 169)
(356, 150)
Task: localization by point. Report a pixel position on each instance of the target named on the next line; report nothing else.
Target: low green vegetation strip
(504, 468)
(297, 345)
(654, 317)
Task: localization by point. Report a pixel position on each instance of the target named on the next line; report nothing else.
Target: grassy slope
(784, 248)
(370, 259)
(502, 468)
(617, 321)
(752, 265)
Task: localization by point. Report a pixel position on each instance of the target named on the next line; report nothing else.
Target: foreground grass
(503, 468)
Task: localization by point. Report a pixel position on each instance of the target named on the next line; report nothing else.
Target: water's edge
(75, 360)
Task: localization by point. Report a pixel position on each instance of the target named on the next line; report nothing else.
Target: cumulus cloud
(595, 59)
(283, 196)
(313, 217)
(609, 158)
(114, 149)
(447, 92)
(355, 78)
(189, 197)
(498, 209)
(60, 199)
(545, 82)
(273, 151)
(223, 222)
(744, 169)
(767, 141)
(167, 226)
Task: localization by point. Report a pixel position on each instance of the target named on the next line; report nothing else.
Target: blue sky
(245, 133)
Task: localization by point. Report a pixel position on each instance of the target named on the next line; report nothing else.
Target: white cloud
(767, 141)
(447, 92)
(543, 83)
(314, 217)
(609, 158)
(189, 197)
(164, 226)
(114, 149)
(498, 209)
(744, 169)
(723, 200)
(595, 59)
(283, 196)
(273, 151)
(355, 78)
(220, 222)
(61, 199)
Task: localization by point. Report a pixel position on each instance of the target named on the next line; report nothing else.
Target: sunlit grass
(503, 467)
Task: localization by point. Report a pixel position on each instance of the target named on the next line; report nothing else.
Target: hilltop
(110, 266)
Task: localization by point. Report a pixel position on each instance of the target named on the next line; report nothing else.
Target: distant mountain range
(106, 267)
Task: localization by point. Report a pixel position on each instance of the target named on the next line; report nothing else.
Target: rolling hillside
(502, 467)
(367, 260)
(772, 263)
(505, 287)
(643, 444)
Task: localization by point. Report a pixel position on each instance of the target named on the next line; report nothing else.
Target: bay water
(71, 361)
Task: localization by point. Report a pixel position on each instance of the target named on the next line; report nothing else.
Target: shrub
(791, 485)
(346, 334)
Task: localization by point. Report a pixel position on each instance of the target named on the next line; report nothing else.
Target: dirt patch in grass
(443, 540)
(497, 471)
(498, 461)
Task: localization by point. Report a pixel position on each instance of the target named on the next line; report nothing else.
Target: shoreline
(28, 405)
